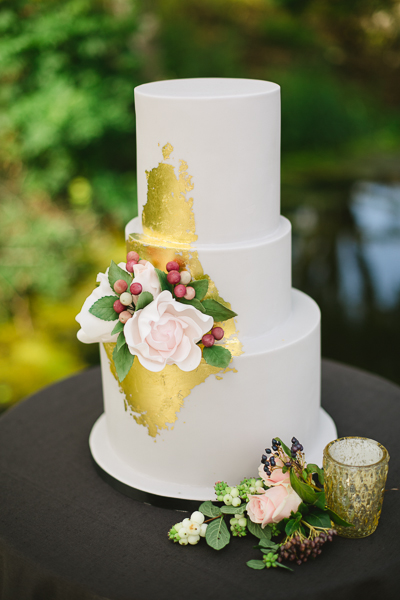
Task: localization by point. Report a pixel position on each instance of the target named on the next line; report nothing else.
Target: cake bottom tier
(219, 430)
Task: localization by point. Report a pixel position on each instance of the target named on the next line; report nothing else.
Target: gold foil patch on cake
(168, 213)
(166, 151)
(154, 399)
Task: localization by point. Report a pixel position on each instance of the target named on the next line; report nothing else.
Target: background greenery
(67, 151)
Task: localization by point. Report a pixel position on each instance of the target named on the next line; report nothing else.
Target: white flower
(147, 276)
(166, 332)
(94, 329)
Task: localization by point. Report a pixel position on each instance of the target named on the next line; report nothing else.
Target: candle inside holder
(355, 476)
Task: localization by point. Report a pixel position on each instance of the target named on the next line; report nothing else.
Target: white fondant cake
(208, 157)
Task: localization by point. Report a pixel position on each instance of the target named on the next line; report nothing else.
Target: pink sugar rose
(275, 504)
(277, 477)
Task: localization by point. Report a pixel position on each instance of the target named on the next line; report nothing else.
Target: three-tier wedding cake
(179, 414)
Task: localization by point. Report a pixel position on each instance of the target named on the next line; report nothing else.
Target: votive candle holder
(355, 471)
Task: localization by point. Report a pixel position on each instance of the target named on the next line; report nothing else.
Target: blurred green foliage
(68, 69)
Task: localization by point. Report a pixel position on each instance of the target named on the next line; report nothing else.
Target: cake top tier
(208, 156)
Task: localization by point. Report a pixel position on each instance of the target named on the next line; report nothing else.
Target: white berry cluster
(189, 531)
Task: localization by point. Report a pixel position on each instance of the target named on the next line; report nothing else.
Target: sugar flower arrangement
(286, 501)
(160, 317)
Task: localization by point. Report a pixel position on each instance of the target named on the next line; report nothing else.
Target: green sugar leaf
(200, 287)
(305, 492)
(209, 509)
(232, 510)
(103, 308)
(256, 564)
(318, 518)
(144, 299)
(164, 283)
(336, 519)
(257, 530)
(118, 327)
(123, 361)
(115, 272)
(196, 303)
(120, 341)
(217, 534)
(217, 356)
(218, 311)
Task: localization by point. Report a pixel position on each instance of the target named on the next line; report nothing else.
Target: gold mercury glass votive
(355, 471)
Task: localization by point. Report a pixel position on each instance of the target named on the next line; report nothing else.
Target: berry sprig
(235, 495)
(299, 548)
(126, 303)
(238, 526)
(180, 280)
(216, 333)
(189, 531)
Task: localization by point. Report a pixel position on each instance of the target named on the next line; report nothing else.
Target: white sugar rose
(94, 329)
(147, 276)
(165, 332)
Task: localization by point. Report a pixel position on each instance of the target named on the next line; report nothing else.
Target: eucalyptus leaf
(209, 509)
(196, 303)
(234, 510)
(217, 534)
(144, 299)
(103, 308)
(115, 273)
(200, 287)
(164, 283)
(123, 361)
(305, 492)
(120, 340)
(311, 468)
(256, 564)
(336, 519)
(217, 356)
(318, 518)
(257, 530)
(118, 327)
(218, 311)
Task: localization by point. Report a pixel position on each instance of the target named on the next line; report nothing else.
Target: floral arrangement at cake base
(285, 502)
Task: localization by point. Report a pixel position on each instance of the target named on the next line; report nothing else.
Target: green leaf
(311, 468)
(120, 341)
(209, 509)
(218, 311)
(196, 303)
(256, 564)
(164, 283)
(123, 361)
(320, 500)
(318, 518)
(257, 530)
(118, 327)
(282, 566)
(144, 299)
(336, 519)
(266, 546)
(217, 534)
(200, 287)
(284, 447)
(115, 272)
(217, 356)
(232, 510)
(103, 308)
(305, 492)
(291, 526)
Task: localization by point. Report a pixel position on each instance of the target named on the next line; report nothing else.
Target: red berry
(136, 288)
(174, 277)
(124, 316)
(118, 306)
(208, 340)
(120, 286)
(217, 332)
(179, 290)
(172, 266)
(129, 265)
(132, 255)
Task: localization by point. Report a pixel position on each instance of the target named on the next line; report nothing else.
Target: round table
(67, 535)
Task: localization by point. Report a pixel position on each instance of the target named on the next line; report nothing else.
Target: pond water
(346, 255)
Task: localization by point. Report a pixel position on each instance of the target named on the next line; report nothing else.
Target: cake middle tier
(253, 278)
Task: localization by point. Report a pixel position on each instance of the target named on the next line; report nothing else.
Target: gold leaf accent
(166, 151)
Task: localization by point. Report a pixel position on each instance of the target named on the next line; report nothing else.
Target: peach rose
(166, 332)
(275, 504)
(147, 276)
(277, 477)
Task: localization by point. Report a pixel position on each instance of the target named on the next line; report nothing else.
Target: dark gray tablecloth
(66, 534)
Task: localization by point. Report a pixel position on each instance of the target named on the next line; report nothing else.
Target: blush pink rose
(275, 504)
(146, 275)
(166, 332)
(277, 477)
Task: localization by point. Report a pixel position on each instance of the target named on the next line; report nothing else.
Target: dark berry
(294, 441)
(274, 448)
(274, 442)
(272, 461)
(288, 464)
(263, 459)
(268, 450)
(266, 468)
